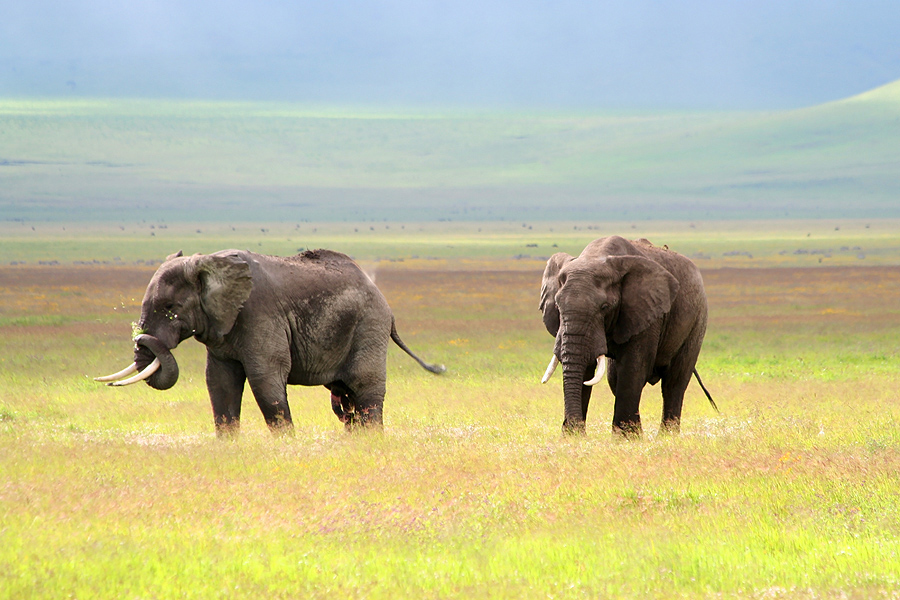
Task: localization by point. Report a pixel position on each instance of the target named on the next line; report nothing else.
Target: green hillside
(131, 160)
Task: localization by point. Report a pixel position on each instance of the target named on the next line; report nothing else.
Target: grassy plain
(465, 245)
(471, 491)
(121, 161)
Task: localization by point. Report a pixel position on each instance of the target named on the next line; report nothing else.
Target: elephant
(638, 311)
(311, 319)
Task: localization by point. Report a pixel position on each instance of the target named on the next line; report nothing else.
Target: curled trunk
(146, 349)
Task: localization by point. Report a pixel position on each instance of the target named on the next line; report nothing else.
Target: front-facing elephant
(634, 308)
(310, 319)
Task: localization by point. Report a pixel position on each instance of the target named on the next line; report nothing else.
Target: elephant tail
(705, 391)
(436, 369)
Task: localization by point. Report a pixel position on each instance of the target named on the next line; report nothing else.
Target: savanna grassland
(471, 491)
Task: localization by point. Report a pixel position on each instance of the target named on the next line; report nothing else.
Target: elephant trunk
(573, 380)
(153, 363)
(148, 349)
(574, 359)
(581, 341)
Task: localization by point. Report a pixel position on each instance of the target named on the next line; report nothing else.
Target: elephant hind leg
(340, 401)
(677, 376)
(675, 381)
(673, 399)
(367, 408)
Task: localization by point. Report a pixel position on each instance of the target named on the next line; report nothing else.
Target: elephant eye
(562, 279)
(604, 306)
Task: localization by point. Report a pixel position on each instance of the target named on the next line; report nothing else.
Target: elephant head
(591, 301)
(198, 296)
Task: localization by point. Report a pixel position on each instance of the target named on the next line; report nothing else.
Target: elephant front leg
(629, 383)
(271, 396)
(586, 390)
(225, 383)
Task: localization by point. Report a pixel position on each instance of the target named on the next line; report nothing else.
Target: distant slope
(185, 161)
(888, 93)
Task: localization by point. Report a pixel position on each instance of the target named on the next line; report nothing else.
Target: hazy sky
(553, 53)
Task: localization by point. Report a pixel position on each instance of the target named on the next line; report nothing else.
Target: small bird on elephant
(632, 309)
(311, 319)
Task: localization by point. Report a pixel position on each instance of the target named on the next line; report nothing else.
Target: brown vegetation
(864, 297)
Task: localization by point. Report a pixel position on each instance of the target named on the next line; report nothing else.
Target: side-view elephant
(630, 307)
(310, 319)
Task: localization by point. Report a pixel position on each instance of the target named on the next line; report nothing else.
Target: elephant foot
(628, 429)
(573, 427)
(228, 430)
(366, 418)
(281, 426)
(670, 426)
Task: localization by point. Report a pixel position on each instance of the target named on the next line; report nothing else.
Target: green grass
(124, 161)
(713, 244)
(471, 491)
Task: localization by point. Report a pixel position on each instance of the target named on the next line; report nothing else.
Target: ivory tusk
(150, 370)
(601, 371)
(132, 368)
(554, 362)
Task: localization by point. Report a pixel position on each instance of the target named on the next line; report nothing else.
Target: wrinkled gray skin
(310, 319)
(642, 307)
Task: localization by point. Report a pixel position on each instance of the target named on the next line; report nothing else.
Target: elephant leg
(271, 396)
(629, 383)
(368, 406)
(673, 388)
(341, 405)
(586, 390)
(674, 383)
(225, 382)
(678, 376)
(611, 375)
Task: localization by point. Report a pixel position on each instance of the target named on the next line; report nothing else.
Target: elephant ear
(648, 291)
(225, 285)
(549, 287)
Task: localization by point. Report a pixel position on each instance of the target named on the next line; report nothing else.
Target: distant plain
(126, 161)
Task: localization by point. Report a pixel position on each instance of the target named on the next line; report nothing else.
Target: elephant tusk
(601, 371)
(554, 362)
(132, 368)
(150, 370)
